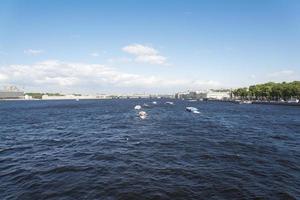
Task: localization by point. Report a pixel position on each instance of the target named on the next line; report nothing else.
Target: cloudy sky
(155, 46)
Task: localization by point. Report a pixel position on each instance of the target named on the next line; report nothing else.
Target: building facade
(218, 95)
(11, 92)
(210, 94)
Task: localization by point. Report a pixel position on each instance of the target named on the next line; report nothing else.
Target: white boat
(77, 99)
(137, 107)
(245, 102)
(192, 109)
(142, 114)
(293, 100)
(146, 105)
(169, 103)
(154, 102)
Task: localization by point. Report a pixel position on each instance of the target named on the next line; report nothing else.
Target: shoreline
(208, 100)
(258, 102)
(276, 103)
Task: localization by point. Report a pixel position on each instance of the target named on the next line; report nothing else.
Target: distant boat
(137, 107)
(169, 103)
(293, 100)
(142, 114)
(146, 105)
(154, 102)
(77, 99)
(192, 109)
(192, 100)
(245, 102)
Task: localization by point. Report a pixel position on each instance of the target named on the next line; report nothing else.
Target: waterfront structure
(191, 95)
(28, 97)
(11, 92)
(160, 96)
(136, 96)
(218, 95)
(209, 94)
(57, 96)
(72, 96)
(181, 95)
(142, 96)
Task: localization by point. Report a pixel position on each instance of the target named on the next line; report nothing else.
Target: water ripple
(102, 150)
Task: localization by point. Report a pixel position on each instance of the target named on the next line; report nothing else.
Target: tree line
(269, 91)
(37, 95)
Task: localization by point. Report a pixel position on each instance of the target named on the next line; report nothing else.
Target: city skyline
(149, 47)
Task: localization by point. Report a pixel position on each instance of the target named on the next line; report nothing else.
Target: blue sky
(153, 46)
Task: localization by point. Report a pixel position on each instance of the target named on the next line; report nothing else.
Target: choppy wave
(103, 150)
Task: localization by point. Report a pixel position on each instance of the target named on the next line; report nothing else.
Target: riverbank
(276, 103)
(256, 102)
(210, 100)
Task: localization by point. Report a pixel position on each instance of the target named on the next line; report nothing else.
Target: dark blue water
(100, 149)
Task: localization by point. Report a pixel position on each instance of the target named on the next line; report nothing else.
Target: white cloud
(152, 59)
(3, 77)
(32, 52)
(59, 74)
(145, 54)
(139, 50)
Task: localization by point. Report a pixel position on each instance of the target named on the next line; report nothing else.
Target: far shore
(235, 101)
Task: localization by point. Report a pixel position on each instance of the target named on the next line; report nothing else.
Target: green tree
(270, 91)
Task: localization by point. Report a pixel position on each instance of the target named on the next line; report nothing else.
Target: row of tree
(270, 91)
(37, 95)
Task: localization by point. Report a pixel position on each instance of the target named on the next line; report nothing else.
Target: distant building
(57, 97)
(137, 96)
(181, 95)
(159, 96)
(103, 96)
(11, 92)
(201, 95)
(210, 94)
(28, 97)
(74, 96)
(191, 95)
(218, 95)
(69, 96)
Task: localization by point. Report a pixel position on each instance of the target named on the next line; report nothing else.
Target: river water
(101, 149)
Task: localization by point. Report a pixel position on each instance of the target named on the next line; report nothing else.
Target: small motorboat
(154, 102)
(293, 100)
(192, 109)
(142, 114)
(137, 107)
(146, 105)
(169, 103)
